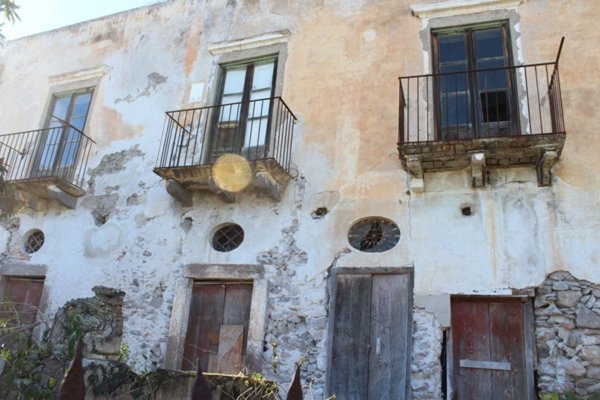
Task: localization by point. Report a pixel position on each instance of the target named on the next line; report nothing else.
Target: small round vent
(374, 234)
(34, 241)
(228, 237)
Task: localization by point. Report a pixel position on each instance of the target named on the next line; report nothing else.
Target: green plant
(124, 352)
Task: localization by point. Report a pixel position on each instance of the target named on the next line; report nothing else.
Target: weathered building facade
(427, 237)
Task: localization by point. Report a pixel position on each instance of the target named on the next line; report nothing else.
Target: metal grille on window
(34, 241)
(374, 234)
(228, 237)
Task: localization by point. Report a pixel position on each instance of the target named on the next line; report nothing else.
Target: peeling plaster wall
(343, 58)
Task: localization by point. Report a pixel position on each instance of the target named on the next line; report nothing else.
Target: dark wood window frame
(62, 141)
(244, 112)
(479, 125)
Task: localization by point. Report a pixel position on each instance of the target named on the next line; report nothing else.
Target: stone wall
(426, 370)
(567, 332)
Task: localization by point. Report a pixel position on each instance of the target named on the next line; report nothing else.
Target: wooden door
(20, 307)
(371, 337)
(217, 312)
(492, 357)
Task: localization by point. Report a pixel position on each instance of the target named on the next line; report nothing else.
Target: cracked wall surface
(340, 80)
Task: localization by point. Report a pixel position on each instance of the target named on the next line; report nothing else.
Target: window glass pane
(259, 108)
(231, 98)
(453, 82)
(48, 152)
(81, 105)
(61, 108)
(489, 43)
(260, 94)
(263, 77)
(492, 79)
(494, 106)
(452, 47)
(455, 110)
(78, 122)
(256, 132)
(234, 80)
(230, 112)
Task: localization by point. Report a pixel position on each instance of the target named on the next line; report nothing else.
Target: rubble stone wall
(567, 333)
(426, 369)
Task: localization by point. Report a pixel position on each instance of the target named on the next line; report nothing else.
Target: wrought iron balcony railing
(59, 153)
(256, 129)
(485, 103)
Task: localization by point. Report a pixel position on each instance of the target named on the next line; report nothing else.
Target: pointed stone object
(295, 390)
(200, 390)
(73, 384)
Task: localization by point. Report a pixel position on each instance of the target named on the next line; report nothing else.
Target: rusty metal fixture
(481, 103)
(255, 129)
(63, 156)
(295, 390)
(200, 390)
(73, 385)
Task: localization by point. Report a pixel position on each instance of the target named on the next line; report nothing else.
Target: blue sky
(44, 15)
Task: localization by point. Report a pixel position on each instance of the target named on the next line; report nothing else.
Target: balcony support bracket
(227, 197)
(413, 163)
(548, 158)
(179, 193)
(478, 169)
(267, 182)
(414, 166)
(62, 197)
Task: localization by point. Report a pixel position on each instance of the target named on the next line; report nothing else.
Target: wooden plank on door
(231, 339)
(204, 324)
(471, 341)
(507, 344)
(350, 342)
(390, 327)
(236, 311)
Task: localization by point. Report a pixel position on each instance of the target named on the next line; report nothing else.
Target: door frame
(332, 288)
(529, 336)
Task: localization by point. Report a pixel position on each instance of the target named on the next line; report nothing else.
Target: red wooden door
(489, 349)
(215, 307)
(20, 306)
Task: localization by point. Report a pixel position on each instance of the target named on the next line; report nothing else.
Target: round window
(228, 237)
(374, 234)
(34, 241)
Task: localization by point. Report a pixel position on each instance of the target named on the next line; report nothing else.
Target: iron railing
(60, 151)
(256, 129)
(484, 103)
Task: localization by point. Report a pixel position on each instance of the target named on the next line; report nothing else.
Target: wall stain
(154, 80)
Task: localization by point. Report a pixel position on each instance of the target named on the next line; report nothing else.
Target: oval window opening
(374, 234)
(228, 237)
(34, 241)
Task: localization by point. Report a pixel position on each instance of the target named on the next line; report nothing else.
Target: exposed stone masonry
(426, 370)
(567, 333)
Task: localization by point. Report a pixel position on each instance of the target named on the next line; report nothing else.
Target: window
(244, 107)
(62, 137)
(228, 237)
(374, 234)
(218, 325)
(474, 90)
(34, 241)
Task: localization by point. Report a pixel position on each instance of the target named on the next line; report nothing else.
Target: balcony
(487, 118)
(227, 149)
(43, 164)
